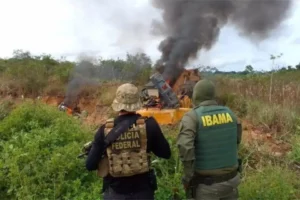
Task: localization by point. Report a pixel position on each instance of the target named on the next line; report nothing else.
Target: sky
(111, 28)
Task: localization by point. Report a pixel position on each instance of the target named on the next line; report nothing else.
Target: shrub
(5, 108)
(38, 157)
(39, 146)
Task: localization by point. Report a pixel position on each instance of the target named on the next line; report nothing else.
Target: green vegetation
(30, 75)
(39, 145)
(38, 156)
(268, 183)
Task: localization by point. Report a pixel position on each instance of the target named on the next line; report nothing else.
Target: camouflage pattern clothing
(127, 98)
(203, 97)
(121, 181)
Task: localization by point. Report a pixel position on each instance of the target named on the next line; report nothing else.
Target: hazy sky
(110, 28)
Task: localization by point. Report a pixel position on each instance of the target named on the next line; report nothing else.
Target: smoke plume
(91, 71)
(82, 76)
(194, 25)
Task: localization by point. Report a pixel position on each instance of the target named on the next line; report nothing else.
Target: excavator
(166, 102)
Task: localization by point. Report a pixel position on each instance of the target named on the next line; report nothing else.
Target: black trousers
(145, 194)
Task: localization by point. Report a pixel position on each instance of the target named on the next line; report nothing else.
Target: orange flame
(69, 111)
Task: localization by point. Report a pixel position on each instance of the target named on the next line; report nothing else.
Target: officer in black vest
(129, 174)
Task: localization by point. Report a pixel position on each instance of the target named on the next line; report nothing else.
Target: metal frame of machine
(168, 104)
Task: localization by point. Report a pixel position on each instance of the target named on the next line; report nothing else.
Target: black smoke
(83, 75)
(192, 25)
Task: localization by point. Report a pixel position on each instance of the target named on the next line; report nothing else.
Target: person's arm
(159, 145)
(185, 144)
(94, 155)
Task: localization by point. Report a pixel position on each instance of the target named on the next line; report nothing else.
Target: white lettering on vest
(128, 140)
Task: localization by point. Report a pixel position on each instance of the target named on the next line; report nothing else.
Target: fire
(69, 111)
(65, 108)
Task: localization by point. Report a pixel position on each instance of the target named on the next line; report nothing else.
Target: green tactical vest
(216, 140)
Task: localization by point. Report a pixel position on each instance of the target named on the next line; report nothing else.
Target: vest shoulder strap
(141, 120)
(198, 108)
(109, 123)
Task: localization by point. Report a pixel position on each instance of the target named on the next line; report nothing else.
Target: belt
(209, 180)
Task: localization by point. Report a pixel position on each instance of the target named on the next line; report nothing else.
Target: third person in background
(208, 147)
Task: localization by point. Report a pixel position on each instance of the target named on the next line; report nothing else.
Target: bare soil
(98, 114)
(264, 141)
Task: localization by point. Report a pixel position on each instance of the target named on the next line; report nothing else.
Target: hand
(87, 147)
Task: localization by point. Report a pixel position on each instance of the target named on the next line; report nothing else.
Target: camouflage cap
(127, 98)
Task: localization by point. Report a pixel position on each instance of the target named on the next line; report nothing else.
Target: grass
(39, 145)
(295, 153)
(269, 118)
(266, 176)
(270, 182)
(38, 161)
(285, 87)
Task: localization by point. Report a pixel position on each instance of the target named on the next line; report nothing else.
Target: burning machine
(168, 97)
(167, 104)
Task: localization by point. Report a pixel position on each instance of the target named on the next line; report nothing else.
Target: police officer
(208, 147)
(129, 175)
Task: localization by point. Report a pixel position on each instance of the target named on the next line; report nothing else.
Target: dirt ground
(264, 141)
(98, 114)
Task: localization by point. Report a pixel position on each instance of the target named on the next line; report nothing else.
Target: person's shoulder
(110, 120)
(141, 120)
(99, 131)
(190, 115)
(109, 123)
(148, 120)
(190, 112)
(101, 127)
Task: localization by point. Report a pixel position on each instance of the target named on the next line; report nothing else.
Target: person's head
(127, 99)
(203, 90)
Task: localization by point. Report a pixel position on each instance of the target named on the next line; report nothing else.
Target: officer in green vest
(208, 147)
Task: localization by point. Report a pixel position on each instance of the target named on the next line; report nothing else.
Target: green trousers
(227, 190)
